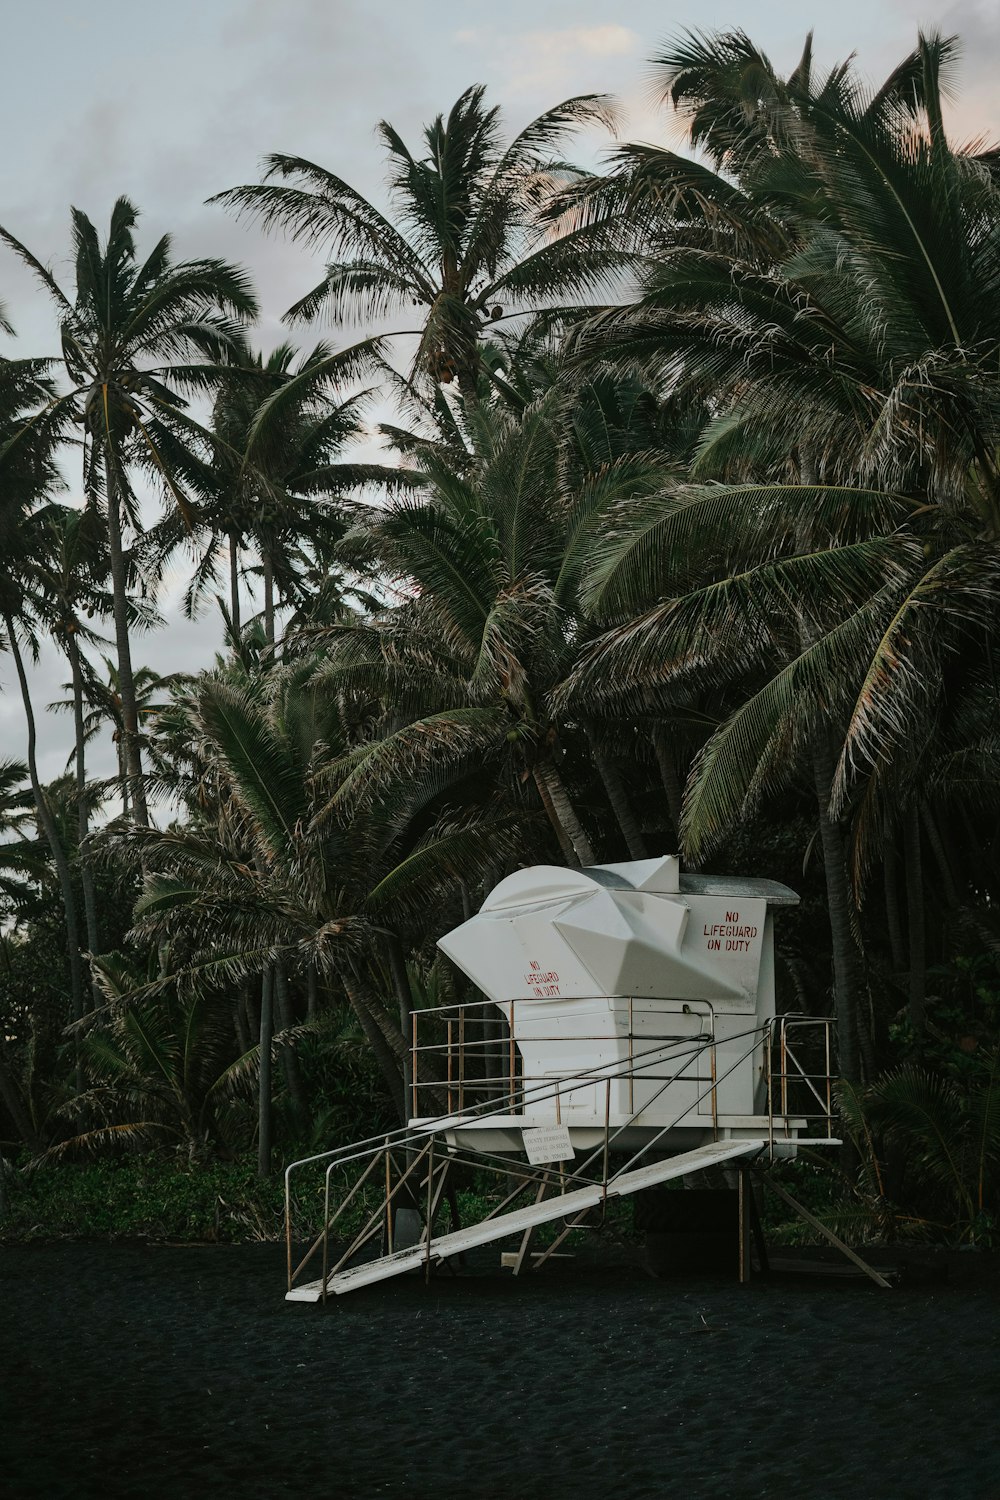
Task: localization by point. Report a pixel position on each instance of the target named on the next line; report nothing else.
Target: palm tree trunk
(915, 919)
(268, 598)
(289, 1061)
(893, 919)
(846, 959)
(668, 775)
(252, 1001)
(86, 873)
(561, 811)
(126, 681)
(234, 586)
(50, 831)
(404, 999)
(614, 786)
(565, 846)
(264, 1083)
(468, 385)
(240, 1019)
(122, 776)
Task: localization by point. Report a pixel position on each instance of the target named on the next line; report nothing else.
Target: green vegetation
(682, 531)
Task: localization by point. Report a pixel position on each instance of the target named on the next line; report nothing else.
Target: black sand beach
(132, 1370)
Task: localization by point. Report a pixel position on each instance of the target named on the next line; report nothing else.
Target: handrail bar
(404, 1133)
(375, 1145)
(449, 1121)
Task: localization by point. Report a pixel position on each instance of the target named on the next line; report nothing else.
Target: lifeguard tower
(625, 1036)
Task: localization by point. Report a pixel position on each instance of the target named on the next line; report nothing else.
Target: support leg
(757, 1229)
(528, 1234)
(828, 1234)
(744, 1195)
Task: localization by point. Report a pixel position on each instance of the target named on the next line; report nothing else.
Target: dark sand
(131, 1370)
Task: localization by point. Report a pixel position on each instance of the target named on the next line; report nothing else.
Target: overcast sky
(169, 101)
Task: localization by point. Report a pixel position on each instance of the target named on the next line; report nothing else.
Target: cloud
(601, 41)
(545, 63)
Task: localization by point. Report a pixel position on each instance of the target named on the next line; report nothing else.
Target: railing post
(288, 1226)
(769, 1056)
(450, 1025)
(744, 1217)
(715, 1097)
(783, 1075)
(413, 1064)
(607, 1134)
(326, 1230)
(430, 1211)
(461, 1060)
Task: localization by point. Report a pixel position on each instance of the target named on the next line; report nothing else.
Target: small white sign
(547, 1143)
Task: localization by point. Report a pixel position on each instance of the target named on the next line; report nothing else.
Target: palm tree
(161, 1068)
(69, 569)
(22, 863)
(831, 301)
(267, 879)
(136, 336)
(102, 704)
(27, 473)
(469, 244)
(278, 479)
(488, 553)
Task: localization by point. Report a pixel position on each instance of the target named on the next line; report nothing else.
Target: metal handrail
(460, 1060)
(372, 1149)
(797, 1073)
(772, 1036)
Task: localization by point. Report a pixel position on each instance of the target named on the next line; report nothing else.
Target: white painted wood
(566, 1205)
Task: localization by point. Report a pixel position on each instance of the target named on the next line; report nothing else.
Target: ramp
(520, 1220)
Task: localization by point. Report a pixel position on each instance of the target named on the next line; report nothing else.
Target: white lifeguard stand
(627, 1037)
(635, 998)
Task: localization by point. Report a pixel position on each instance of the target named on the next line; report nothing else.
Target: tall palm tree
(466, 243)
(162, 1070)
(831, 300)
(23, 868)
(27, 473)
(102, 707)
(22, 863)
(137, 335)
(70, 568)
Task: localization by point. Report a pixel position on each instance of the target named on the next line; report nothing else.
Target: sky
(170, 103)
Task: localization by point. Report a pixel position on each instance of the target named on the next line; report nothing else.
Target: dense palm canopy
(835, 542)
(712, 565)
